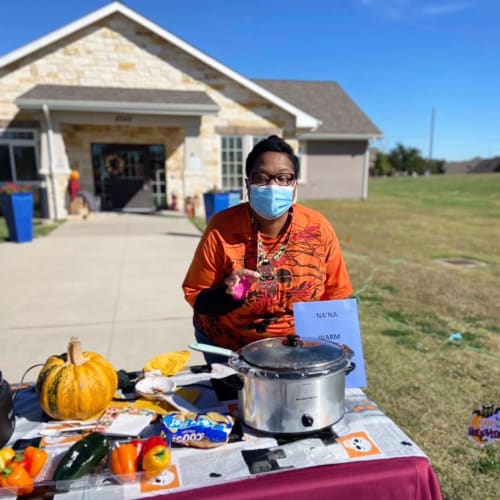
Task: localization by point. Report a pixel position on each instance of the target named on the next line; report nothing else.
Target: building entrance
(130, 177)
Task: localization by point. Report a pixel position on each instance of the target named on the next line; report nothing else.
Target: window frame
(247, 142)
(7, 138)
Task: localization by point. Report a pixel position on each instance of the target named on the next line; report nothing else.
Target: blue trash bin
(234, 198)
(18, 212)
(215, 202)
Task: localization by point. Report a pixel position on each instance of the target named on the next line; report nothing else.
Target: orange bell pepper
(32, 459)
(124, 461)
(17, 480)
(155, 460)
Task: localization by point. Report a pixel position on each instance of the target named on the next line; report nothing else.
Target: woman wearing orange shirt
(256, 259)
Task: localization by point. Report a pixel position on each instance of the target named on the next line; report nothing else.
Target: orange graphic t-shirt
(310, 268)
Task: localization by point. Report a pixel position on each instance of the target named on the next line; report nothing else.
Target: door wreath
(114, 164)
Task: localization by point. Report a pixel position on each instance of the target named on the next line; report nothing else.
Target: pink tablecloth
(390, 479)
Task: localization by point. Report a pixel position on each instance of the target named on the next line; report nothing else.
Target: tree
(382, 165)
(407, 160)
(436, 166)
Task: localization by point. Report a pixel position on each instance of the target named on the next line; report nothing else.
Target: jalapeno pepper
(82, 457)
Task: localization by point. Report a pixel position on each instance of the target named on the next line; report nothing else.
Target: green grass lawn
(39, 229)
(409, 305)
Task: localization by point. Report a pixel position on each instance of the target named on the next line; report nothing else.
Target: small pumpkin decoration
(76, 384)
(74, 175)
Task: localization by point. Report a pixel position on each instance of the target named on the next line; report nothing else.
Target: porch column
(366, 171)
(54, 166)
(193, 174)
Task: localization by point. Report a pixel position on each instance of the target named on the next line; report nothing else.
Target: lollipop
(240, 290)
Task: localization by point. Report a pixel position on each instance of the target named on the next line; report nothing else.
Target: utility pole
(431, 138)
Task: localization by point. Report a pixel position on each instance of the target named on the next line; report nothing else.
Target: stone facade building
(148, 120)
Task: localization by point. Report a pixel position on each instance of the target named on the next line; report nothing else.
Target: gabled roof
(303, 119)
(340, 116)
(112, 99)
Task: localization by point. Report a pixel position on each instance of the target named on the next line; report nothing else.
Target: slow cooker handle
(212, 349)
(292, 340)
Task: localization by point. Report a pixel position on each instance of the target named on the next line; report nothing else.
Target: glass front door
(130, 176)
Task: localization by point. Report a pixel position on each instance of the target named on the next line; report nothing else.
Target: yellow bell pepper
(155, 460)
(6, 455)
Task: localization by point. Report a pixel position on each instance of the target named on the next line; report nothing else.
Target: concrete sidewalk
(113, 280)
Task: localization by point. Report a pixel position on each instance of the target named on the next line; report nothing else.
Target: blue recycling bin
(18, 212)
(215, 202)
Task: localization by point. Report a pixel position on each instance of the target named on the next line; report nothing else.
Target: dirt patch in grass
(461, 261)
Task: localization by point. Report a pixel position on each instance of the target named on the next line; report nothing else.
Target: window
(18, 156)
(25, 163)
(234, 150)
(232, 163)
(5, 164)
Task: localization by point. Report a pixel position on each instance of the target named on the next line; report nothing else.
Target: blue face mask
(271, 201)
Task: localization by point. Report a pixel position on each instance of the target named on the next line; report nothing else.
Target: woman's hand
(239, 282)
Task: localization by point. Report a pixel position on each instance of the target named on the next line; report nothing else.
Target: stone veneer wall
(119, 52)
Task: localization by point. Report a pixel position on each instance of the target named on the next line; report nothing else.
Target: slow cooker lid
(294, 353)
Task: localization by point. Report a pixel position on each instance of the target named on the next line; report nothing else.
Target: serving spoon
(163, 389)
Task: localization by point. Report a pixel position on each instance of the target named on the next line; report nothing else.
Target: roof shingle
(327, 102)
(116, 94)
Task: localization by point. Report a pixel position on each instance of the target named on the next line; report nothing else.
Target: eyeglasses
(280, 179)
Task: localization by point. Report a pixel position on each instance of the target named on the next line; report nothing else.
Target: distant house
(461, 167)
(475, 166)
(145, 118)
(488, 165)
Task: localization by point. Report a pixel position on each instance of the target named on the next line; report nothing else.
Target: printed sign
(334, 321)
(484, 425)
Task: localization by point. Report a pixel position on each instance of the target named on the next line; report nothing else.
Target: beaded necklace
(266, 264)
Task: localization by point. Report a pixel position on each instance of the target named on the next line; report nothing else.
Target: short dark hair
(272, 144)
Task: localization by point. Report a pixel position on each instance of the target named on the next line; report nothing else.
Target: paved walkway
(113, 280)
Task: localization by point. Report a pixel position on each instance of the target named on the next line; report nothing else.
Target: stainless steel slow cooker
(7, 418)
(292, 385)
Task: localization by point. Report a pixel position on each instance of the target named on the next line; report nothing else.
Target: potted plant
(17, 208)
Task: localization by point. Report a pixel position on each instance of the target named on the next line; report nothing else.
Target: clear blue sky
(398, 59)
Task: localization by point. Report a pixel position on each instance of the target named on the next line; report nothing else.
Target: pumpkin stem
(75, 356)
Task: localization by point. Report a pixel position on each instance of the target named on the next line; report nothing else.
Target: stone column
(54, 167)
(193, 167)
